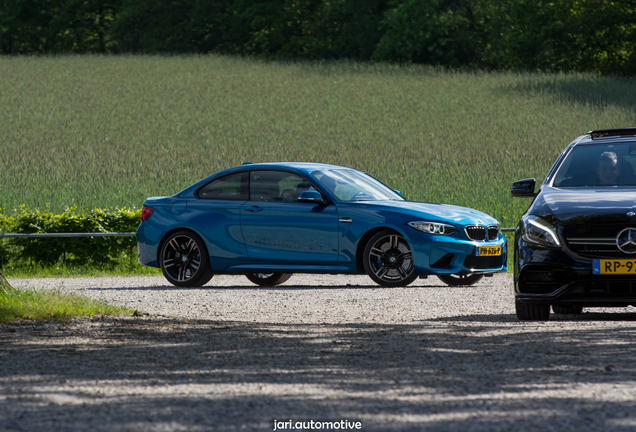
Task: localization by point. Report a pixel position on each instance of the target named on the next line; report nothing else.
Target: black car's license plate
(614, 266)
(489, 251)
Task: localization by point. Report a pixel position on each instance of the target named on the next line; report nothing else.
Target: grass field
(106, 132)
(20, 304)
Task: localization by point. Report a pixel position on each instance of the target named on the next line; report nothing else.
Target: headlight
(433, 227)
(539, 232)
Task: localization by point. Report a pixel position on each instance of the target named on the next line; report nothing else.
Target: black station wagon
(575, 246)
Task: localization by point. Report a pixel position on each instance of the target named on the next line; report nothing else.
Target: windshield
(350, 185)
(598, 165)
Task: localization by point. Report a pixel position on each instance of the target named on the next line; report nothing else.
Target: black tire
(268, 279)
(388, 260)
(567, 310)
(532, 312)
(184, 260)
(461, 279)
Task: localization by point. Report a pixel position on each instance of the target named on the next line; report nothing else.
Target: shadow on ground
(286, 287)
(462, 373)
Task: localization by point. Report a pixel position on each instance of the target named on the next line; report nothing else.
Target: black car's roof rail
(606, 133)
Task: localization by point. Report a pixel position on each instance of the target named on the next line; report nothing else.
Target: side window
(230, 187)
(276, 186)
(628, 174)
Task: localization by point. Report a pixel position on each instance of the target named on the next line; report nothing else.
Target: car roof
(300, 166)
(603, 136)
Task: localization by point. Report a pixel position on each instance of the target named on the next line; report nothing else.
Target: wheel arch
(365, 239)
(172, 231)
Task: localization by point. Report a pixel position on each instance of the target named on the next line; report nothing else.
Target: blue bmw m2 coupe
(270, 220)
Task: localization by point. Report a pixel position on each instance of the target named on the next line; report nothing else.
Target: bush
(83, 250)
(429, 32)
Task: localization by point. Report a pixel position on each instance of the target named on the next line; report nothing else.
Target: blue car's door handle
(253, 209)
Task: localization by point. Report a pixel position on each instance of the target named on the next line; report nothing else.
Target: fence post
(4, 284)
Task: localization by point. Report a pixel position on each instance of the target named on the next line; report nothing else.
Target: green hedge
(84, 250)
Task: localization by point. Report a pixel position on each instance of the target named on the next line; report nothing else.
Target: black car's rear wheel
(461, 279)
(184, 260)
(268, 279)
(567, 310)
(532, 312)
(388, 260)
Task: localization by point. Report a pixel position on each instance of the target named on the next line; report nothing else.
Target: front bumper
(553, 276)
(440, 255)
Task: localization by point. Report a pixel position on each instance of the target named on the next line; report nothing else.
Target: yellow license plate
(615, 266)
(489, 251)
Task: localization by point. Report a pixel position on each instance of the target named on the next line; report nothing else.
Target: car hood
(430, 211)
(584, 205)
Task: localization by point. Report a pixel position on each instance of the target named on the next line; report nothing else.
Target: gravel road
(333, 350)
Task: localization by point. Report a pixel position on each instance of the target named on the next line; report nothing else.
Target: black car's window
(229, 187)
(351, 185)
(278, 186)
(598, 165)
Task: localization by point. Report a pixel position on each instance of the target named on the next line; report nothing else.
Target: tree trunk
(4, 284)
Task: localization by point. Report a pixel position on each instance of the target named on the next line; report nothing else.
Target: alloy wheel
(389, 261)
(181, 258)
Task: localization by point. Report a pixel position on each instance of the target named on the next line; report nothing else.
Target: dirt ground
(332, 350)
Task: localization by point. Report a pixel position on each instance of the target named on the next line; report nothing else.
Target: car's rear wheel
(268, 279)
(184, 260)
(532, 312)
(567, 310)
(388, 260)
(461, 279)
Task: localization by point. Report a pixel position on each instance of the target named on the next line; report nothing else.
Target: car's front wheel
(268, 279)
(461, 279)
(532, 312)
(388, 260)
(184, 260)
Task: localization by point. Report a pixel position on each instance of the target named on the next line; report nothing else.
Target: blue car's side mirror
(398, 192)
(311, 196)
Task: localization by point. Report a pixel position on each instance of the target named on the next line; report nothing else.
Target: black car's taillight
(146, 213)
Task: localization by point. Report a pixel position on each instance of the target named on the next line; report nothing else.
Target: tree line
(563, 35)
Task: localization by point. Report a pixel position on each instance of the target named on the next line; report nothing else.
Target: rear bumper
(148, 239)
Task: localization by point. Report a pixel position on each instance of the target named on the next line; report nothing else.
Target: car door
(279, 229)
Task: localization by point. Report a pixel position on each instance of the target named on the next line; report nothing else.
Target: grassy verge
(69, 271)
(125, 265)
(18, 304)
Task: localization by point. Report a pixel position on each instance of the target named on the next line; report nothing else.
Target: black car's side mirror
(311, 196)
(523, 188)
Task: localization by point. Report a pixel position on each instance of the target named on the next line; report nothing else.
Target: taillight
(146, 213)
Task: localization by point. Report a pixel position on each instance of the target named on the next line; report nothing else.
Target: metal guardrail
(117, 234)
